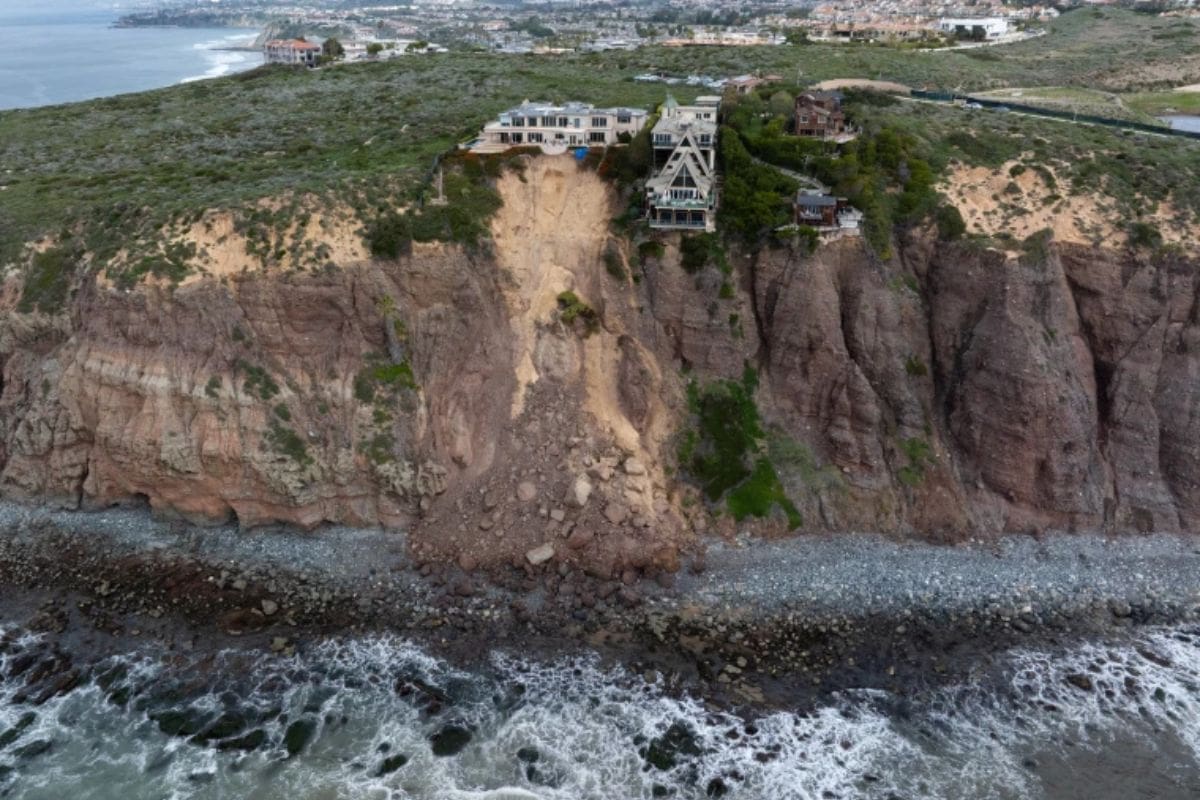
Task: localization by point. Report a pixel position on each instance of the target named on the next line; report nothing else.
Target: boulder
(580, 538)
(616, 513)
(540, 555)
(581, 490)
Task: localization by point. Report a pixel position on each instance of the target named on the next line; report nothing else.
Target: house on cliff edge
(682, 193)
(556, 128)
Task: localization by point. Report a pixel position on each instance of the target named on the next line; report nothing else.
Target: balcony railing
(695, 204)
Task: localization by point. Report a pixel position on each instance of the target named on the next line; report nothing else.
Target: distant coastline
(51, 57)
(189, 18)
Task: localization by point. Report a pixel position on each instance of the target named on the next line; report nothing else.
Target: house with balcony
(682, 193)
(819, 115)
(296, 52)
(828, 214)
(557, 128)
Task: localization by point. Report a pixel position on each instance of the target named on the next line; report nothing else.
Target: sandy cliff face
(238, 398)
(954, 390)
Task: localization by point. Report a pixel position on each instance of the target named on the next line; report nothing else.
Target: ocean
(379, 718)
(62, 51)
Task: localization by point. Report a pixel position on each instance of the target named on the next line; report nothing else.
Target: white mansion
(558, 127)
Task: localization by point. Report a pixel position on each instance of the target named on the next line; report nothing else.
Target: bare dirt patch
(1019, 200)
(550, 231)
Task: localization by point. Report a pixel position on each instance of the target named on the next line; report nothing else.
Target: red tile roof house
(292, 51)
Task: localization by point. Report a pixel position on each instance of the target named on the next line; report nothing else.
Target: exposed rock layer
(952, 391)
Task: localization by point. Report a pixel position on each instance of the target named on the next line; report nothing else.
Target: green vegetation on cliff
(129, 174)
(725, 453)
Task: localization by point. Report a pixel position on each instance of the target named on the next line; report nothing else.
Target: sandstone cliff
(952, 391)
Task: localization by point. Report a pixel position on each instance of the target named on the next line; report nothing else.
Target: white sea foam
(221, 62)
(583, 730)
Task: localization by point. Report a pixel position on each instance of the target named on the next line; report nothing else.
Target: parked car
(973, 106)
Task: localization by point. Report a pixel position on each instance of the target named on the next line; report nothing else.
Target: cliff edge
(524, 402)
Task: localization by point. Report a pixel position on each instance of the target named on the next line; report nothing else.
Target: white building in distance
(993, 27)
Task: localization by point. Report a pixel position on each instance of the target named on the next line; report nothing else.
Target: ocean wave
(221, 62)
(381, 718)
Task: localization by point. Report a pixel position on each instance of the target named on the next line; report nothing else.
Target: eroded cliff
(524, 401)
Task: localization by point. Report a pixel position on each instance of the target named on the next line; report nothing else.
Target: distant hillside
(369, 132)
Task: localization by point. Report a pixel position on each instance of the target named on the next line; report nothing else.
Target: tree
(950, 223)
(374, 49)
(332, 50)
(417, 46)
(781, 104)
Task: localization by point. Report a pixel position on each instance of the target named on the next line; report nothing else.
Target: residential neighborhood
(371, 32)
(682, 191)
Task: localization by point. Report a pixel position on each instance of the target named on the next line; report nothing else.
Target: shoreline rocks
(758, 625)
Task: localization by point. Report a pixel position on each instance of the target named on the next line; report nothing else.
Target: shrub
(809, 236)
(171, 262)
(572, 308)
(919, 455)
(48, 281)
(756, 198)
(1143, 234)
(697, 250)
(1037, 245)
(283, 440)
(627, 165)
(759, 493)
(950, 224)
(258, 381)
(379, 448)
(388, 235)
(722, 452)
(915, 367)
(375, 377)
(612, 263)
(651, 248)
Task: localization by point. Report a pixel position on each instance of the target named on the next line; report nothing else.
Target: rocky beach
(815, 614)
(789, 628)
